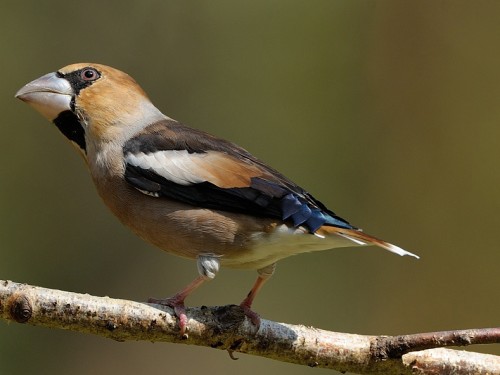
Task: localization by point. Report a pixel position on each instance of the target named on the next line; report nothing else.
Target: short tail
(361, 238)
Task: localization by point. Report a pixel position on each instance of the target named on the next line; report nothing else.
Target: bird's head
(91, 103)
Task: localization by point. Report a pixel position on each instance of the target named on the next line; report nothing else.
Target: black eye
(89, 74)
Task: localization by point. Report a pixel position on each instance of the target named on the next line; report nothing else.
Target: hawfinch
(185, 191)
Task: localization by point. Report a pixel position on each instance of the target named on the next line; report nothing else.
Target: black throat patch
(68, 124)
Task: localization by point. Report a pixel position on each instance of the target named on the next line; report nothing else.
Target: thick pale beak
(50, 95)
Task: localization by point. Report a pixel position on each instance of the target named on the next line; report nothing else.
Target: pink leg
(246, 304)
(177, 302)
(208, 266)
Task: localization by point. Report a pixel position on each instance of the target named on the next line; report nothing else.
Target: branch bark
(227, 328)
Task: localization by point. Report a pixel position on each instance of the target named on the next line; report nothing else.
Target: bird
(183, 190)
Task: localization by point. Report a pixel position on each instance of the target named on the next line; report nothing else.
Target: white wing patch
(184, 168)
(178, 166)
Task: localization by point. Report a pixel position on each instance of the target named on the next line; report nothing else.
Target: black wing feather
(272, 195)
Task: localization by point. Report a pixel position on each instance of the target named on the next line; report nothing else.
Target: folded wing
(170, 160)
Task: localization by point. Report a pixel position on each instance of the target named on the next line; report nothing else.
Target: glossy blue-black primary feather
(267, 193)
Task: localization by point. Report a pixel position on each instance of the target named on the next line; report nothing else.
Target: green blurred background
(387, 111)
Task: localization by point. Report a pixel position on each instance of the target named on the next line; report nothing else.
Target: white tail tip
(397, 250)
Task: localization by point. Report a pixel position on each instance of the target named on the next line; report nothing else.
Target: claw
(231, 355)
(177, 304)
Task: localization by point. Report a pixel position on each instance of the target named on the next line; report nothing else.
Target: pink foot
(252, 315)
(176, 303)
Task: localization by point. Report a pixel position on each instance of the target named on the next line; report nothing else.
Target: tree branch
(227, 328)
